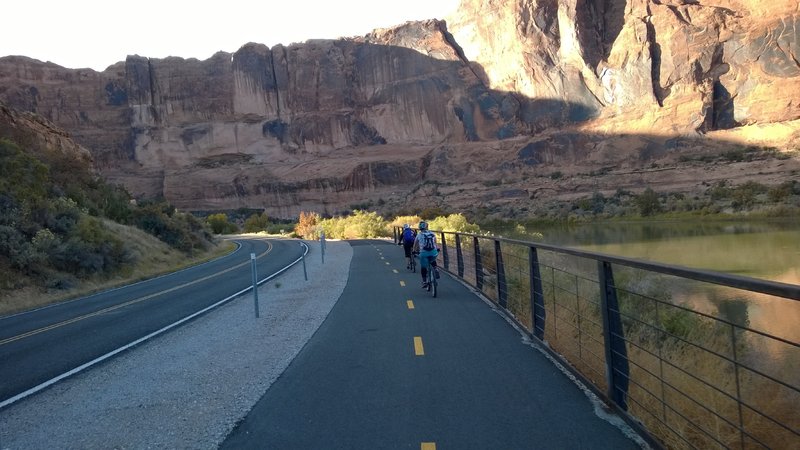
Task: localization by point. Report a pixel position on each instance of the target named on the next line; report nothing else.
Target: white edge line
(108, 355)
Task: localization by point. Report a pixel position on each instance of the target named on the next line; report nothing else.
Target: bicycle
(432, 283)
(411, 260)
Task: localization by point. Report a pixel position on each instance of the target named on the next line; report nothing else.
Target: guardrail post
(459, 256)
(255, 282)
(322, 245)
(502, 289)
(303, 256)
(445, 256)
(617, 371)
(478, 264)
(538, 312)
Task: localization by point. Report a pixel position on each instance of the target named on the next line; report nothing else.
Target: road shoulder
(188, 388)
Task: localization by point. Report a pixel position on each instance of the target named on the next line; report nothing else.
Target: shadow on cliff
(323, 90)
(352, 86)
(343, 84)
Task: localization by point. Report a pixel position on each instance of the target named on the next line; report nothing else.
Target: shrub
(91, 249)
(432, 211)
(280, 228)
(453, 222)
(361, 224)
(17, 250)
(24, 177)
(783, 191)
(399, 221)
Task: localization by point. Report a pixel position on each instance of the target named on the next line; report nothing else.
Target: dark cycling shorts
(407, 248)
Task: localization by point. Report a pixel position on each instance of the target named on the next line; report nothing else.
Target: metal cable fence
(657, 342)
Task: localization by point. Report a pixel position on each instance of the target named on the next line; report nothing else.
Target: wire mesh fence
(688, 356)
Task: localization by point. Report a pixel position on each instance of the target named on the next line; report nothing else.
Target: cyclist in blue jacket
(407, 239)
(425, 245)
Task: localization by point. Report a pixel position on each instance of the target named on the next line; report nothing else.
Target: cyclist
(407, 241)
(425, 245)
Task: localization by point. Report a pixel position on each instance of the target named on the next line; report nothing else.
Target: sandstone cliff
(489, 103)
(674, 65)
(36, 134)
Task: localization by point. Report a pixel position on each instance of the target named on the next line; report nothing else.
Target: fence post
(478, 264)
(617, 370)
(502, 289)
(394, 231)
(459, 256)
(445, 256)
(538, 312)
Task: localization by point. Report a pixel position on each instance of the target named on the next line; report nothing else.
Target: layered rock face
(503, 90)
(36, 134)
(678, 65)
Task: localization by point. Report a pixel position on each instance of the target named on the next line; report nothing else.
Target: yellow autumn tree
(307, 225)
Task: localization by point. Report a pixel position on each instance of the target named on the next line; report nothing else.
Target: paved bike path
(360, 382)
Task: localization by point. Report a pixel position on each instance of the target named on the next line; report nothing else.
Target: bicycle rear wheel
(433, 282)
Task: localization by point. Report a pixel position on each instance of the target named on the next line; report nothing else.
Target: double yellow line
(128, 303)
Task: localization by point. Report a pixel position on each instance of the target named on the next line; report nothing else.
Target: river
(766, 250)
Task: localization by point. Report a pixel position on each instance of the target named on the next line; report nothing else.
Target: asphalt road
(391, 367)
(40, 345)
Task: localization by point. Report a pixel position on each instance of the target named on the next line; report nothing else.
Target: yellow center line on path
(402, 283)
(428, 446)
(410, 304)
(122, 305)
(419, 350)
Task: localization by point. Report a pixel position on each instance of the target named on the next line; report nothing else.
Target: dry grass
(153, 258)
(684, 387)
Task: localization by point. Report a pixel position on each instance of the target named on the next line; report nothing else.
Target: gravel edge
(189, 387)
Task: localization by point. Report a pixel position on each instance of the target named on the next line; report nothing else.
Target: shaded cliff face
(327, 124)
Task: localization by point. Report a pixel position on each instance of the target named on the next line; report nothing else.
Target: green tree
(256, 223)
(648, 203)
(220, 225)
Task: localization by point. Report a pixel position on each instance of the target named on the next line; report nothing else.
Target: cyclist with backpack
(407, 239)
(425, 245)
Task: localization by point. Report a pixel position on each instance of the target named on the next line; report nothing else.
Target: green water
(765, 250)
(768, 250)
